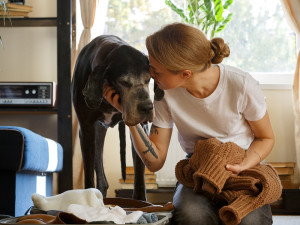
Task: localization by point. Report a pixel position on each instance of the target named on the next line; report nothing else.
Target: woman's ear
(186, 74)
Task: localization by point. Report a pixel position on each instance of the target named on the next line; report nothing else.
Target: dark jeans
(193, 209)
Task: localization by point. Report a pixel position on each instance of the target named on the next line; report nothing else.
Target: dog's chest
(108, 118)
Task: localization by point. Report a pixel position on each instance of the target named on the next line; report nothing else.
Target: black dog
(109, 59)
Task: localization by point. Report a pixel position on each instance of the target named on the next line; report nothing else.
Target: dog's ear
(158, 93)
(93, 88)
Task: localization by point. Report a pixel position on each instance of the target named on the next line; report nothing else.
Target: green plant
(208, 15)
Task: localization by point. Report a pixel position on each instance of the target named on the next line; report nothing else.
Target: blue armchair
(27, 163)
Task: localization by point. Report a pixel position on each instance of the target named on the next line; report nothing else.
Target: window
(260, 38)
(258, 35)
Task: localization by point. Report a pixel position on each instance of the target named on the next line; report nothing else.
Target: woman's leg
(192, 209)
(262, 215)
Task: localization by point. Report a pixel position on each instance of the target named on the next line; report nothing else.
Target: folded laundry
(89, 197)
(89, 206)
(129, 204)
(115, 214)
(147, 218)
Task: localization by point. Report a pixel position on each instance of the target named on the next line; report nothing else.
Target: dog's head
(127, 70)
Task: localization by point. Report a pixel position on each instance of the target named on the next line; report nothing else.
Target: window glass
(260, 38)
(258, 35)
(134, 20)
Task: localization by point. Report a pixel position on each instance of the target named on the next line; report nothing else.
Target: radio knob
(26, 91)
(33, 91)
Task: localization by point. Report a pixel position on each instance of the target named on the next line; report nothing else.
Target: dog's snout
(145, 107)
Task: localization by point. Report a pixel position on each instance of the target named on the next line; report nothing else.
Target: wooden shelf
(29, 22)
(63, 24)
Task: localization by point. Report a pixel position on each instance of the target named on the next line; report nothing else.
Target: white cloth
(89, 197)
(115, 214)
(222, 115)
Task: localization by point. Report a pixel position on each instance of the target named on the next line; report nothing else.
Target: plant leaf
(177, 10)
(193, 4)
(228, 18)
(224, 23)
(207, 4)
(202, 7)
(227, 4)
(218, 10)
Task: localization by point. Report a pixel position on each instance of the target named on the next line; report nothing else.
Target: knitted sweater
(205, 172)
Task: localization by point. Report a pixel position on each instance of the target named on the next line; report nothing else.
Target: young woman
(204, 99)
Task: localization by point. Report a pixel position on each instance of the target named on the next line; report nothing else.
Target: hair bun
(220, 49)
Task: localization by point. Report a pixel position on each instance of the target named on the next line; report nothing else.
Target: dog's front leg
(139, 191)
(87, 142)
(102, 183)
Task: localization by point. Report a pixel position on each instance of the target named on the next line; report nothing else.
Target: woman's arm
(153, 149)
(260, 147)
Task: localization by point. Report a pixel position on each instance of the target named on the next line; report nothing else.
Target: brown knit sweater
(205, 172)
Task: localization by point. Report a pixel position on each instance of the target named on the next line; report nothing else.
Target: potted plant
(211, 16)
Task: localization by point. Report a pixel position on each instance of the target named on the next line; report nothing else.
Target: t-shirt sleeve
(254, 104)
(163, 116)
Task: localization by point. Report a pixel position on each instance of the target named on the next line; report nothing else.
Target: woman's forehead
(154, 64)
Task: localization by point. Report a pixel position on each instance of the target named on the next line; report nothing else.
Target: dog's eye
(125, 83)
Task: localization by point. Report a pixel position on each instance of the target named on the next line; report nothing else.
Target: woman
(204, 99)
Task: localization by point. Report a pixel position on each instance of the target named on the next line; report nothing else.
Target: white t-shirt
(222, 115)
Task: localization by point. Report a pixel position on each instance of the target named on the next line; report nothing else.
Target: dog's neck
(111, 116)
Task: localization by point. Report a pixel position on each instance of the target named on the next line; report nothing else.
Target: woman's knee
(192, 214)
(262, 215)
(192, 208)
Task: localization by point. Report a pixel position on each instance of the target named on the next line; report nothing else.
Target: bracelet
(258, 155)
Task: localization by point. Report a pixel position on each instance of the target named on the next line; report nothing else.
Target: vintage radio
(27, 94)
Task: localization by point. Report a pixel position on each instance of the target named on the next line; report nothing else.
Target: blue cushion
(22, 149)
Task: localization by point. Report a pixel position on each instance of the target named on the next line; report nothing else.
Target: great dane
(107, 58)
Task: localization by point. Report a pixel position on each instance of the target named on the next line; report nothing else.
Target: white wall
(280, 107)
(279, 103)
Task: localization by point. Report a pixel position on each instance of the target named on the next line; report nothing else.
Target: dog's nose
(145, 107)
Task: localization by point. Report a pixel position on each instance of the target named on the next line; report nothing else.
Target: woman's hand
(235, 169)
(110, 94)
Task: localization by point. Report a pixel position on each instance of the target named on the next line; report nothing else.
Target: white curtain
(292, 12)
(88, 10)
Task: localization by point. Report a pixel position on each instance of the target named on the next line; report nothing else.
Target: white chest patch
(108, 117)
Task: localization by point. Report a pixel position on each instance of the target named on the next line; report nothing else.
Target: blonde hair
(179, 46)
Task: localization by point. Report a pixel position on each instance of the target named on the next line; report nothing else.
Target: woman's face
(163, 77)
